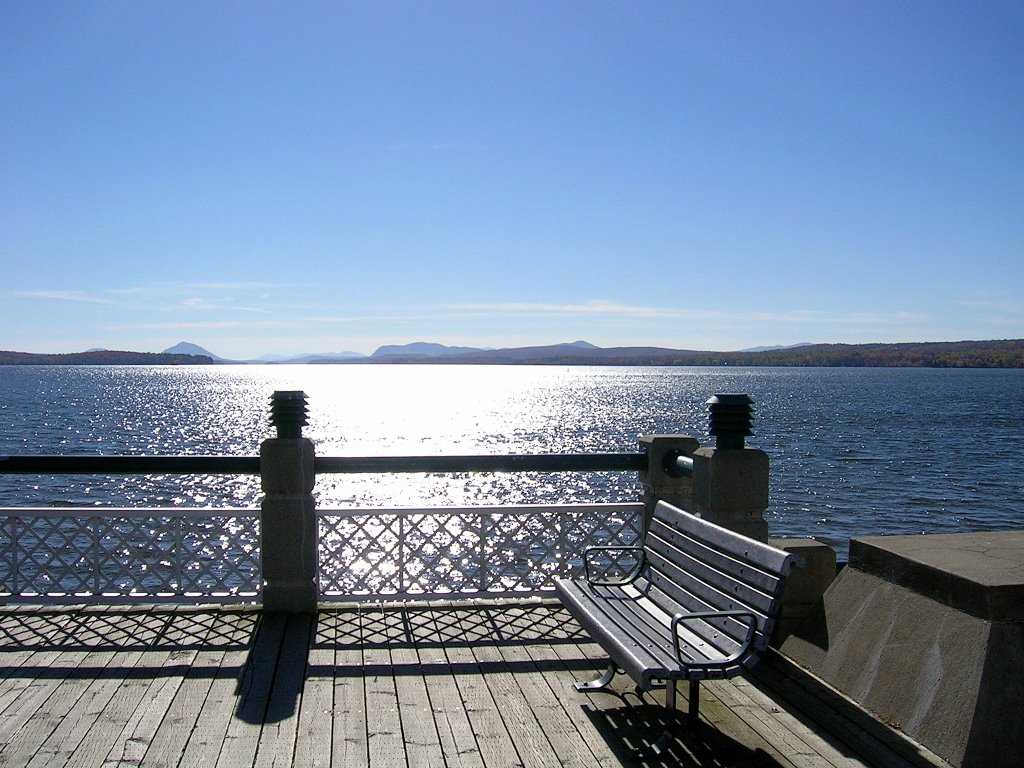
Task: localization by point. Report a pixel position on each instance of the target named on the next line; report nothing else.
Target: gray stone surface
(806, 584)
(660, 485)
(921, 630)
(981, 573)
(730, 488)
(288, 526)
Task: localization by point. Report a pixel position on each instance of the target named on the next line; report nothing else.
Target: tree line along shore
(954, 354)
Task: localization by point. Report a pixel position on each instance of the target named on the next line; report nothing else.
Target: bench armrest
(629, 578)
(679, 618)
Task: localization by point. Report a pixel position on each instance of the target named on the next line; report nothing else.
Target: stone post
(288, 529)
(730, 481)
(664, 480)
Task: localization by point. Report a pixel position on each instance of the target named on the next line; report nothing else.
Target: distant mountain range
(950, 354)
(187, 348)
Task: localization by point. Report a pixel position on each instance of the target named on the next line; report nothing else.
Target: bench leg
(668, 736)
(601, 682)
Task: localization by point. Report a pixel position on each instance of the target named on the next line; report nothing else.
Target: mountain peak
(187, 348)
(422, 349)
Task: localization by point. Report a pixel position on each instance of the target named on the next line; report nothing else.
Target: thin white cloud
(997, 313)
(613, 309)
(197, 303)
(174, 325)
(170, 297)
(1013, 307)
(589, 308)
(814, 317)
(74, 296)
(186, 289)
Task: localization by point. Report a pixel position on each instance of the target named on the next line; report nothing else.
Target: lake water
(853, 451)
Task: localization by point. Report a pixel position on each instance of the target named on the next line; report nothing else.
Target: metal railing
(450, 552)
(119, 555)
(288, 553)
(114, 555)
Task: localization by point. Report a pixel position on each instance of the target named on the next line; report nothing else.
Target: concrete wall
(927, 632)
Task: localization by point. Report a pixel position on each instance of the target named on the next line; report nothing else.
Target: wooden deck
(488, 685)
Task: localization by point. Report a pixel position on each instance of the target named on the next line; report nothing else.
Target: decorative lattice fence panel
(129, 555)
(453, 552)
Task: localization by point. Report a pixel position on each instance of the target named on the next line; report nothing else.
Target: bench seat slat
(693, 594)
(662, 535)
(698, 641)
(763, 556)
(643, 649)
(726, 633)
(600, 619)
(662, 607)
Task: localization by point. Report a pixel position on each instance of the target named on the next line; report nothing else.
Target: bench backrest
(699, 566)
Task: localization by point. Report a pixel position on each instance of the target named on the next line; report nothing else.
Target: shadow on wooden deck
(482, 685)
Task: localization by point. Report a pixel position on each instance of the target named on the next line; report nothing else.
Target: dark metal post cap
(288, 413)
(729, 419)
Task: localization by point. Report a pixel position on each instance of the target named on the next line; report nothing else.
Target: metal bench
(699, 603)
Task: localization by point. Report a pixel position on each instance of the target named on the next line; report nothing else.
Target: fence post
(288, 529)
(730, 481)
(663, 480)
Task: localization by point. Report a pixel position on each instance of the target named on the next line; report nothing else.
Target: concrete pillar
(730, 489)
(288, 529)
(805, 586)
(730, 481)
(663, 480)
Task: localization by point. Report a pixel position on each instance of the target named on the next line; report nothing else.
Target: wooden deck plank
(314, 727)
(19, 679)
(455, 734)
(559, 681)
(182, 699)
(632, 721)
(622, 729)
(231, 639)
(241, 740)
(866, 737)
(530, 738)
(111, 698)
(783, 730)
(349, 744)
(565, 737)
(46, 707)
(419, 730)
(280, 721)
(215, 704)
(481, 686)
(70, 734)
(495, 744)
(33, 665)
(219, 646)
(383, 722)
(136, 738)
(108, 727)
(724, 715)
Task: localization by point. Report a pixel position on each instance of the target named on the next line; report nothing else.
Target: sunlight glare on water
(852, 451)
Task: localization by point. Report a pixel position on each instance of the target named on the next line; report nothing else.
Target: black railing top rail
(541, 462)
(129, 465)
(242, 465)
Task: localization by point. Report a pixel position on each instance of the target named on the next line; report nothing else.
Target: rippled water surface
(853, 451)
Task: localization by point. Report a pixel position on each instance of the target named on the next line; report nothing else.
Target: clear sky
(299, 177)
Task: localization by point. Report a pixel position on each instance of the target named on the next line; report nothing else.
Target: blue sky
(295, 177)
